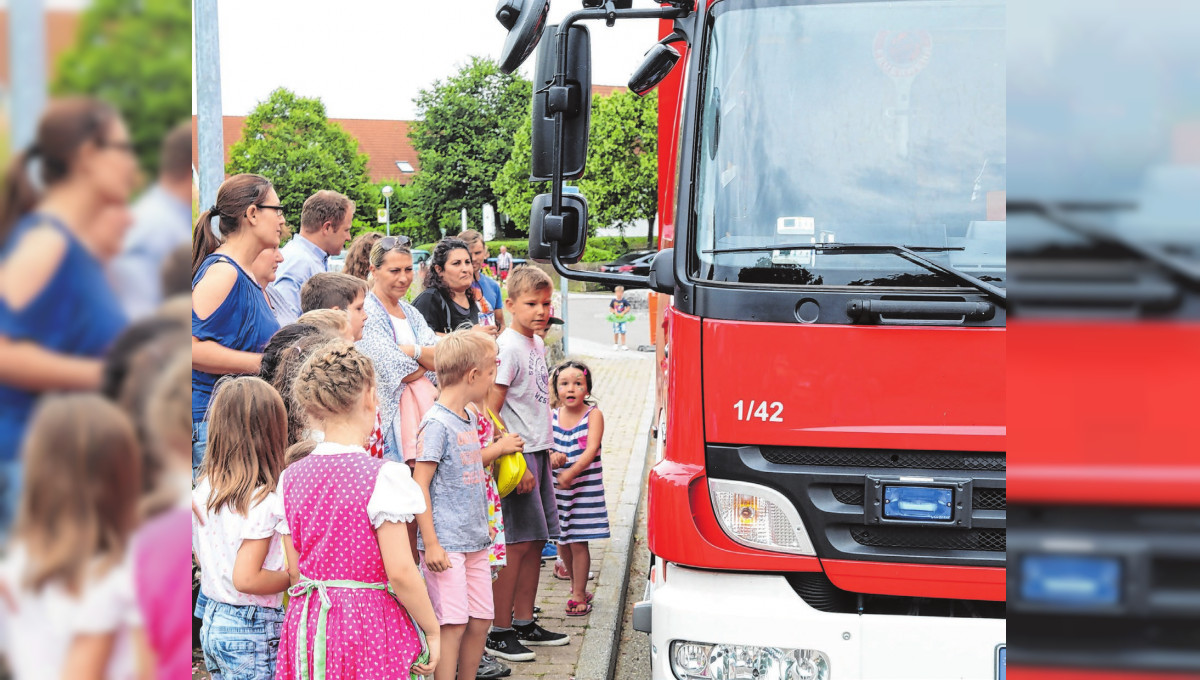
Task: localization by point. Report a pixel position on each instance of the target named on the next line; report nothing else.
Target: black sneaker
(505, 645)
(536, 636)
(490, 668)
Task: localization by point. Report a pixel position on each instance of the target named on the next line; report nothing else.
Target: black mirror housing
(662, 272)
(657, 65)
(524, 21)
(568, 230)
(574, 100)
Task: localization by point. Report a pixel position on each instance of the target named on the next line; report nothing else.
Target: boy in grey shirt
(522, 398)
(454, 537)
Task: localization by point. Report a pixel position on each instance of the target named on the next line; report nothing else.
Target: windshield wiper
(1057, 213)
(908, 252)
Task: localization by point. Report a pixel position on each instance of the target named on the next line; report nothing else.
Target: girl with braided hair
(346, 537)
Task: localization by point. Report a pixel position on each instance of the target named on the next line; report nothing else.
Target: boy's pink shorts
(463, 591)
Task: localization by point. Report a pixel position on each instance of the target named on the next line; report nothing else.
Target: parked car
(633, 262)
(337, 262)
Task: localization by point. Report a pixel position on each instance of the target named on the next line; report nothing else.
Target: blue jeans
(240, 642)
(10, 496)
(199, 443)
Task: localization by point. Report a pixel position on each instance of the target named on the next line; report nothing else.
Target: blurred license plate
(1071, 580)
(1001, 661)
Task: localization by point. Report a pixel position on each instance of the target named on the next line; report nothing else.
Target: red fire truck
(828, 500)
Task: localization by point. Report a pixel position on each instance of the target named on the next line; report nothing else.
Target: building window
(404, 166)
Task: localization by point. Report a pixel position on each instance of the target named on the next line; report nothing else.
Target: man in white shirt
(324, 230)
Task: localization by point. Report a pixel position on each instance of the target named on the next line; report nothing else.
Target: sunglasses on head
(393, 242)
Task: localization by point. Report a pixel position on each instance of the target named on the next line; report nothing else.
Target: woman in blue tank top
(58, 314)
(231, 320)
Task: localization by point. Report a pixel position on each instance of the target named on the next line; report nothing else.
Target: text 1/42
(772, 413)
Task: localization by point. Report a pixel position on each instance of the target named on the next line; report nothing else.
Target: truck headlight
(759, 517)
(701, 661)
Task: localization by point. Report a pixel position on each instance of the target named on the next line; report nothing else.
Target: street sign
(382, 214)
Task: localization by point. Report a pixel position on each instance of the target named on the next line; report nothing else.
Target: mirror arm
(627, 280)
(609, 14)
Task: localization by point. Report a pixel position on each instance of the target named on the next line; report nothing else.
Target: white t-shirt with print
(527, 405)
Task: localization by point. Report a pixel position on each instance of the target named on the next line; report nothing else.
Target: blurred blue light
(1071, 580)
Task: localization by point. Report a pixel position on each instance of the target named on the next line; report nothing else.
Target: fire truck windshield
(851, 123)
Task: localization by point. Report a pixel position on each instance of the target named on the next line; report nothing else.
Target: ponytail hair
(235, 195)
(66, 125)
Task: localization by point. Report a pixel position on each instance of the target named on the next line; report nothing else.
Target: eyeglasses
(127, 147)
(277, 208)
(393, 242)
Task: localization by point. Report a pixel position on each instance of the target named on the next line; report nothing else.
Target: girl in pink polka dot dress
(346, 539)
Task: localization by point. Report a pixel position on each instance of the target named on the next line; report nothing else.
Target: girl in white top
(235, 537)
(68, 600)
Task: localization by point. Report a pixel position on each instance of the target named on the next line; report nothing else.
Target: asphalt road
(589, 332)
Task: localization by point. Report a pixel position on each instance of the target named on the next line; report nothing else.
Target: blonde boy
(454, 538)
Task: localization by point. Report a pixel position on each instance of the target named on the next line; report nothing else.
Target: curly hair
(332, 379)
(441, 253)
(358, 256)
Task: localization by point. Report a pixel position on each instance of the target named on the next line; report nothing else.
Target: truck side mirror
(658, 63)
(574, 99)
(568, 230)
(524, 20)
(662, 272)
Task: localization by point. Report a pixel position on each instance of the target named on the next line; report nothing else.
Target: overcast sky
(369, 58)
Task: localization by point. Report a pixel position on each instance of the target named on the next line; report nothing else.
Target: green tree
(621, 179)
(463, 137)
(289, 140)
(110, 60)
(512, 186)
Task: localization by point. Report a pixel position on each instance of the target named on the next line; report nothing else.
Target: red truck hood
(1104, 413)
(856, 386)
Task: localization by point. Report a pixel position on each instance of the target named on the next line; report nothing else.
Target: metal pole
(210, 143)
(388, 213)
(562, 281)
(27, 54)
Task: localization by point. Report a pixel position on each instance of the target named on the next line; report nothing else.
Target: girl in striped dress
(578, 430)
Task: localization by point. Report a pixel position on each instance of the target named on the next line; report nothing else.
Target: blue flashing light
(918, 503)
(1071, 580)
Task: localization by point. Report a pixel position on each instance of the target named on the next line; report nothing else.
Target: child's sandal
(574, 608)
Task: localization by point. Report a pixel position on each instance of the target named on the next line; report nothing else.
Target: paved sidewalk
(624, 394)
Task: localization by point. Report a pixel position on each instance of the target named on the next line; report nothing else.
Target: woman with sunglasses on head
(401, 345)
(231, 320)
(63, 215)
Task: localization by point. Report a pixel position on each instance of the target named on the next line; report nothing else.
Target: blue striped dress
(581, 512)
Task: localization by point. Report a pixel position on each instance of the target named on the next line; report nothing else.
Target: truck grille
(1154, 624)
(883, 458)
(983, 499)
(836, 493)
(991, 540)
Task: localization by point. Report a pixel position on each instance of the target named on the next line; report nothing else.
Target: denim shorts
(240, 642)
(619, 328)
